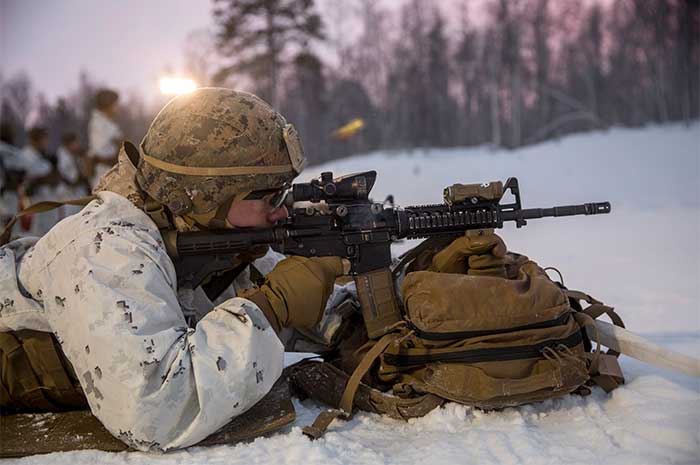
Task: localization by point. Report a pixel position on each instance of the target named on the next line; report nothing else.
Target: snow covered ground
(643, 258)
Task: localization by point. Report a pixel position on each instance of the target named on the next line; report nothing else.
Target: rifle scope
(352, 187)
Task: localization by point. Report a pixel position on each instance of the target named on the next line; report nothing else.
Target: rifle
(340, 219)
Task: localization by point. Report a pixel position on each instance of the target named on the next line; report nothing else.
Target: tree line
(528, 71)
(521, 72)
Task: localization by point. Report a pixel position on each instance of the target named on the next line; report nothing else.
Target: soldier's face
(255, 213)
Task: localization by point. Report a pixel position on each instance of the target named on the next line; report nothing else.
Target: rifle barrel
(594, 208)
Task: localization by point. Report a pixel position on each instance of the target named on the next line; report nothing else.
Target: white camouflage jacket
(102, 282)
(102, 133)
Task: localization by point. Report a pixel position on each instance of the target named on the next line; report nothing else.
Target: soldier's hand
(479, 252)
(297, 289)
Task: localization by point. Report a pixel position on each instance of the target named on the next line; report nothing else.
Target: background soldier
(12, 171)
(42, 179)
(72, 184)
(104, 135)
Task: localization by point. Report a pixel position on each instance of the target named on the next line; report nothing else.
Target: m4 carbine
(340, 219)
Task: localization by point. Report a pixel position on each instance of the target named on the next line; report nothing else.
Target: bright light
(176, 86)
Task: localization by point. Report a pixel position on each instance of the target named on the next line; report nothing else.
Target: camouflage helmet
(210, 145)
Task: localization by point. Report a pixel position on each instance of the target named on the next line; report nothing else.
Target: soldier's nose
(277, 214)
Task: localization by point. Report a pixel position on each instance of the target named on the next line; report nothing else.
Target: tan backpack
(483, 341)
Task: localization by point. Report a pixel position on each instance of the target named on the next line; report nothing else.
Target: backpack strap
(40, 207)
(595, 309)
(325, 418)
(604, 368)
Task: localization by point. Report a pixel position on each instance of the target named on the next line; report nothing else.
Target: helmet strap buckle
(157, 213)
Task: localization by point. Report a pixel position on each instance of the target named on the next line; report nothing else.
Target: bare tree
(442, 109)
(19, 95)
(509, 28)
(408, 94)
(493, 71)
(685, 67)
(472, 60)
(367, 58)
(200, 56)
(541, 30)
(256, 33)
(304, 103)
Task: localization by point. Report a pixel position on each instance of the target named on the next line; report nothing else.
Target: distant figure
(41, 179)
(72, 185)
(104, 135)
(12, 170)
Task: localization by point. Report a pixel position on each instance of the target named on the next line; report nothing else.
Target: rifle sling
(324, 419)
(218, 284)
(40, 207)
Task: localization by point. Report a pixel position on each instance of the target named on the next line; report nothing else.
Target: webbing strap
(609, 375)
(324, 419)
(584, 320)
(604, 368)
(362, 369)
(578, 295)
(40, 207)
(321, 423)
(596, 309)
(216, 171)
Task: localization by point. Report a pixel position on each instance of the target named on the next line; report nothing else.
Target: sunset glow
(176, 86)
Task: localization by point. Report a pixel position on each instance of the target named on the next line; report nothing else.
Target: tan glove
(478, 252)
(296, 290)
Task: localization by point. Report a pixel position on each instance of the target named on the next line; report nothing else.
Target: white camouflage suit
(102, 133)
(102, 282)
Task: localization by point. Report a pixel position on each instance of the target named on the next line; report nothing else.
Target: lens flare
(176, 86)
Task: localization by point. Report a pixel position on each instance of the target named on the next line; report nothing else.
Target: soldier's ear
(132, 152)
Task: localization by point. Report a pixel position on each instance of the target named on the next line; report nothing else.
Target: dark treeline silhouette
(530, 71)
(526, 71)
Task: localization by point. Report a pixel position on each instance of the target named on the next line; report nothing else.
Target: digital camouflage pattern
(213, 128)
(102, 283)
(121, 179)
